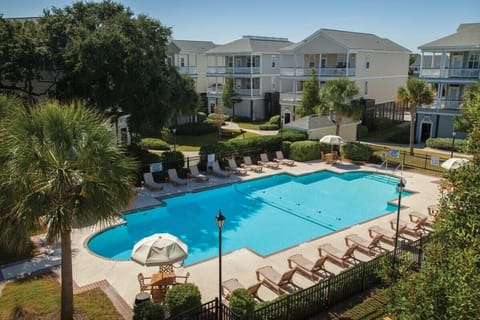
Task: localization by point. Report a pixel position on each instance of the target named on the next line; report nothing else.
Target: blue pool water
(265, 215)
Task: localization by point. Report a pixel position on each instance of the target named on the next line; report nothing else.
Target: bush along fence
(318, 298)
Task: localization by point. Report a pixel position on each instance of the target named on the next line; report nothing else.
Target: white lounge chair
(248, 164)
(218, 171)
(150, 183)
(343, 258)
(232, 165)
(280, 159)
(267, 163)
(174, 179)
(196, 175)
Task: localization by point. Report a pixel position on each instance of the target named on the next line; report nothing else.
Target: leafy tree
(416, 93)
(310, 97)
(60, 166)
(229, 96)
(218, 118)
(470, 108)
(183, 97)
(22, 56)
(448, 284)
(336, 96)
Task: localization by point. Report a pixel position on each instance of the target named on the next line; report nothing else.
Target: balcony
(291, 97)
(241, 92)
(321, 72)
(187, 70)
(450, 73)
(444, 104)
(233, 70)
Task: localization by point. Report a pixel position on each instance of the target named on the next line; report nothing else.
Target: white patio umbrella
(159, 249)
(454, 163)
(332, 140)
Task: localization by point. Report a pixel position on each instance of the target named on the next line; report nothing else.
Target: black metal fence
(311, 301)
(389, 110)
(395, 157)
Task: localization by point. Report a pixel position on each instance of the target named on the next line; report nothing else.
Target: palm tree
(416, 93)
(62, 167)
(336, 96)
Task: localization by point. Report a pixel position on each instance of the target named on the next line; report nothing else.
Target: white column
(348, 63)
(439, 95)
(421, 64)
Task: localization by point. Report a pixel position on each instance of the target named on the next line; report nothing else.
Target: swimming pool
(266, 215)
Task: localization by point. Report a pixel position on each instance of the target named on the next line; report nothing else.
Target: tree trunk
(67, 277)
(338, 121)
(233, 112)
(413, 115)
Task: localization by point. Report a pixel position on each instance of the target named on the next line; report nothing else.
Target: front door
(287, 117)
(426, 130)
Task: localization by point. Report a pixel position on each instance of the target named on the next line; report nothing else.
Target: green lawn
(39, 298)
(250, 125)
(193, 143)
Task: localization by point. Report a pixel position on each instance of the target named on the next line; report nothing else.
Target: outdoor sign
(156, 167)
(435, 161)
(394, 153)
(210, 160)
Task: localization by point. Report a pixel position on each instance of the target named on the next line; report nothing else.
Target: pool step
(382, 178)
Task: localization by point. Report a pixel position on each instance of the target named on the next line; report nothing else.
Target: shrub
(286, 148)
(356, 151)
(142, 155)
(305, 150)
(382, 123)
(148, 311)
(225, 149)
(182, 297)
(446, 144)
(275, 120)
(153, 143)
(201, 116)
(242, 302)
(195, 129)
(291, 135)
(269, 126)
(362, 131)
(241, 119)
(173, 160)
(402, 136)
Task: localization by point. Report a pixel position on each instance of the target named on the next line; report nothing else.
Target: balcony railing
(444, 104)
(242, 92)
(233, 70)
(291, 96)
(450, 73)
(322, 72)
(188, 70)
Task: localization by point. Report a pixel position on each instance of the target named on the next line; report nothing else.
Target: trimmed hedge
(286, 148)
(402, 136)
(446, 144)
(195, 129)
(382, 123)
(242, 302)
(305, 150)
(269, 126)
(154, 144)
(362, 131)
(148, 311)
(225, 149)
(183, 297)
(356, 151)
(291, 135)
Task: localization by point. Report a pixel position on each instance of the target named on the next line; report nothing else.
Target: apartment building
(253, 63)
(377, 66)
(189, 57)
(459, 55)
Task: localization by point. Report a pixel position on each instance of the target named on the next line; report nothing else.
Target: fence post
(426, 158)
(404, 155)
(188, 162)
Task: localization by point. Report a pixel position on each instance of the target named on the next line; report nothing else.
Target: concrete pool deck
(241, 264)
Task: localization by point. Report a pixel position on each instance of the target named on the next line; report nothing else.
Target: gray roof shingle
(251, 44)
(466, 37)
(194, 46)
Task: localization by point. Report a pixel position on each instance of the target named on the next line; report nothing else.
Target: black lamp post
(174, 130)
(453, 143)
(220, 218)
(400, 187)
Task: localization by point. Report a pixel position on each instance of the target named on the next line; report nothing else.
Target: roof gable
(466, 37)
(251, 44)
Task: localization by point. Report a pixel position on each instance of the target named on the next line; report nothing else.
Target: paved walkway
(234, 126)
(122, 275)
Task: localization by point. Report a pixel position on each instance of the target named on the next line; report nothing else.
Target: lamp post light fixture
(400, 188)
(220, 218)
(453, 143)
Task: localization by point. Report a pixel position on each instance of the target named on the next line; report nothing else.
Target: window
(365, 91)
(182, 62)
(169, 61)
(367, 61)
(274, 61)
(474, 61)
(274, 83)
(324, 62)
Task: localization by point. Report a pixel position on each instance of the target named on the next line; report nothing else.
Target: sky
(406, 22)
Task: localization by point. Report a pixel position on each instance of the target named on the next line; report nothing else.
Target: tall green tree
(23, 56)
(470, 108)
(60, 166)
(183, 97)
(229, 96)
(336, 97)
(415, 94)
(310, 97)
